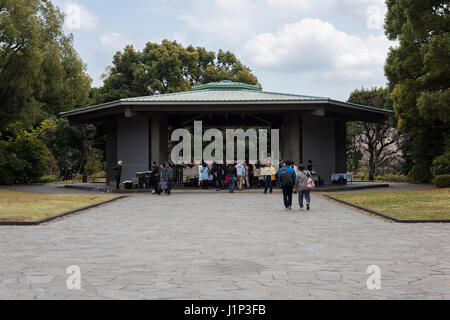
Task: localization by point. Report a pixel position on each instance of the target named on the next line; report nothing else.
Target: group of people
(234, 176)
(161, 178)
(299, 180)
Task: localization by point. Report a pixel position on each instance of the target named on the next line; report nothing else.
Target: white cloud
(108, 45)
(239, 5)
(227, 28)
(312, 45)
(292, 4)
(78, 18)
(232, 4)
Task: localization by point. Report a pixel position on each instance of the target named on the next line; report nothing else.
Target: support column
(159, 138)
(111, 150)
(292, 133)
(341, 152)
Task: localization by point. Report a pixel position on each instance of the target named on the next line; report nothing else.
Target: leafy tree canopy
(168, 67)
(419, 73)
(40, 72)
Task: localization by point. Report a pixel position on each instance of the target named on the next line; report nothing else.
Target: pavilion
(311, 128)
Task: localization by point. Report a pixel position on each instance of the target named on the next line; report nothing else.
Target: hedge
(442, 181)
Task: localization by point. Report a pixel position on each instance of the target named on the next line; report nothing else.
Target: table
(337, 176)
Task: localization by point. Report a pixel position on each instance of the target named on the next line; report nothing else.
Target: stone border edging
(48, 219)
(383, 215)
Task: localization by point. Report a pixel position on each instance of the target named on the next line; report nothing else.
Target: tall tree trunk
(371, 162)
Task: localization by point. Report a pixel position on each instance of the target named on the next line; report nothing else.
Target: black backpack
(286, 178)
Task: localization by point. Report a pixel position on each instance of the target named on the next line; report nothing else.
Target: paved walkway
(227, 246)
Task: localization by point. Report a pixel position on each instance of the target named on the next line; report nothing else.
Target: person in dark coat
(166, 178)
(232, 174)
(310, 166)
(155, 178)
(160, 179)
(217, 172)
(118, 173)
(287, 187)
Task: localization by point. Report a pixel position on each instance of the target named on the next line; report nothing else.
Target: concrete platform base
(103, 187)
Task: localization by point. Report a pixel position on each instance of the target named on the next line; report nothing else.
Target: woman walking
(303, 187)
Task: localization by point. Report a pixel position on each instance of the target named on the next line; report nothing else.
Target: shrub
(442, 181)
(393, 178)
(23, 158)
(441, 165)
(388, 177)
(50, 178)
(420, 173)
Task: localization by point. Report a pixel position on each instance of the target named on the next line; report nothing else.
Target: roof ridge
(295, 95)
(157, 95)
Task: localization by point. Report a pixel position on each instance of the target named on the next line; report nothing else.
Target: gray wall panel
(111, 151)
(341, 152)
(291, 135)
(133, 146)
(319, 145)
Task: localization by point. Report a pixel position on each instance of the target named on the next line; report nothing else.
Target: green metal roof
(222, 93)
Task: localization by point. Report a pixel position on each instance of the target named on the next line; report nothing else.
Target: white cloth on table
(336, 176)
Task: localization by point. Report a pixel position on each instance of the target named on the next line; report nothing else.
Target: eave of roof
(222, 93)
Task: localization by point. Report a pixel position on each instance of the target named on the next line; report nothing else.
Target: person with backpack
(240, 172)
(287, 177)
(304, 184)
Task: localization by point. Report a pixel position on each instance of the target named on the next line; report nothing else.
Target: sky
(322, 48)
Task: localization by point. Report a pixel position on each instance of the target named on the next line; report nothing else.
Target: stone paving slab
(224, 246)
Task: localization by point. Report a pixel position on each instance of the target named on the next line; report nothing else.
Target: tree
(40, 76)
(40, 72)
(354, 153)
(75, 147)
(166, 68)
(378, 141)
(418, 71)
(23, 155)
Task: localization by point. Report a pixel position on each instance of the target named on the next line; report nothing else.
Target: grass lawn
(408, 205)
(21, 206)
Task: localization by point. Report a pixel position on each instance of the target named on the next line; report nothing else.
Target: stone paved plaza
(224, 246)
